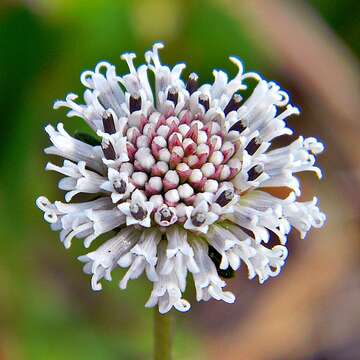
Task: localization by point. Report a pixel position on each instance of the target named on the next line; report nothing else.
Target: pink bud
(207, 128)
(131, 150)
(174, 140)
(202, 159)
(192, 161)
(186, 118)
(190, 200)
(172, 119)
(173, 127)
(138, 166)
(132, 134)
(143, 122)
(159, 169)
(176, 157)
(171, 180)
(163, 130)
(153, 186)
(189, 147)
(161, 121)
(184, 171)
(228, 150)
(217, 172)
(225, 172)
(193, 132)
(172, 197)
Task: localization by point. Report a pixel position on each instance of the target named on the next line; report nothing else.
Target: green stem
(163, 334)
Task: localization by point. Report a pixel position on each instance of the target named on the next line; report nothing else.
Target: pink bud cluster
(173, 160)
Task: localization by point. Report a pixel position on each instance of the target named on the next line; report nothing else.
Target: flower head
(180, 176)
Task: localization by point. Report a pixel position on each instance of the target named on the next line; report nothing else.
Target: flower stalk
(164, 328)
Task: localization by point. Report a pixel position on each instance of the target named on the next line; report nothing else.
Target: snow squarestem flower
(182, 175)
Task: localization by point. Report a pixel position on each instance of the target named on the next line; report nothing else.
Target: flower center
(174, 159)
(137, 212)
(198, 219)
(120, 186)
(166, 214)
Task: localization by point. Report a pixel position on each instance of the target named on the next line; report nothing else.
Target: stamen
(204, 101)
(134, 103)
(233, 104)
(225, 197)
(192, 84)
(253, 145)
(108, 123)
(173, 96)
(108, 150)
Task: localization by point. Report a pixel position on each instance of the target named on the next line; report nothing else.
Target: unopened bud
(139, 178)
(211, 186)
(172, 197)
(185, 191)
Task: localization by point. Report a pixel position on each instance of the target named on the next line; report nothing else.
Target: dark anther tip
(255, 172)
(204, 101)
(173, 96)
(108, 150)
(233, 104)
(238, 126)
(134, 103)
(193, 83)
(252, 146)
(108, 123)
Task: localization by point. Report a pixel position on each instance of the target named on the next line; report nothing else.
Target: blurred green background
(47, 310)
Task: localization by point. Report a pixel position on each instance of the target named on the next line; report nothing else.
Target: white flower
(78, 179)
(165, 215)
(118, 184)
(102, 261)
(137, 210)
(181, 178)
(207, 282)
(199, 218)
(141, 257)
(224, 199)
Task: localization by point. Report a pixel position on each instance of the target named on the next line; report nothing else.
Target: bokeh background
(47, 310)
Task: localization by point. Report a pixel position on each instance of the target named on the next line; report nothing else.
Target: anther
(173, 95)
(137, 212)
(204, 101)
(254, 172)
(134, 103)
(233, 104)
(108, 123)
(253, 145)
(192, 84)
(108, 150)
(120, 186)
(225, 197)
(238, 126)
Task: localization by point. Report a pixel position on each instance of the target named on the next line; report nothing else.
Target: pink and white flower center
(175, 159)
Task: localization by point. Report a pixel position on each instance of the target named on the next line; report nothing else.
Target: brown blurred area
(311, 311)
